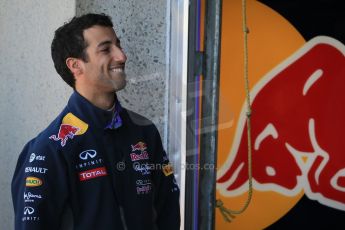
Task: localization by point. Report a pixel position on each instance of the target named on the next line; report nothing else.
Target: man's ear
(75, 66)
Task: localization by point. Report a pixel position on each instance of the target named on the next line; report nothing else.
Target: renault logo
(87, 154)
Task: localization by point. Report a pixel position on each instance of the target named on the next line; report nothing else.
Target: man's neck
(103, 101)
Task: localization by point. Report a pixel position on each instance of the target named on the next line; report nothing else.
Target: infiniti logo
(28, 210)
(87, 153)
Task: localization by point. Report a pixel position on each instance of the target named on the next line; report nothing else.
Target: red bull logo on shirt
(70, 127)
(139, 146)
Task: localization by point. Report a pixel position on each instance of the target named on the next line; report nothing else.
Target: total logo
(93, 173)
(87, 154)
(28, 211)
(36, 170)
(29, 197)
(34, 157)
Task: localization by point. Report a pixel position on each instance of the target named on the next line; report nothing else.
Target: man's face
(105, 69)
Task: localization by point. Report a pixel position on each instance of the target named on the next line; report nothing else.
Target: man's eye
(107, 50)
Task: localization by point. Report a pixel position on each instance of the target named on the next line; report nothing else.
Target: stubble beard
(118, 82)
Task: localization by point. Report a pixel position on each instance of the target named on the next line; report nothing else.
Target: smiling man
(105, 163)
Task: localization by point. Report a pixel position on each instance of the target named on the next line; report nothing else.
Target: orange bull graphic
(297, 145)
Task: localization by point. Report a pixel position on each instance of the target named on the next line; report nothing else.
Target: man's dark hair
(69, 42)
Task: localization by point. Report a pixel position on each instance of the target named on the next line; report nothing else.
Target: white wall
(31, 92)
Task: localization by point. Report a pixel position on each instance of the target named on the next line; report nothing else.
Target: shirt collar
(116, 120)
(93, 115)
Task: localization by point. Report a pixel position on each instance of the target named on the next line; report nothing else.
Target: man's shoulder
(137, 119)
(42, 140)
(141, 124)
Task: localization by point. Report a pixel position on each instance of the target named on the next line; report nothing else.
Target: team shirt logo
(28, 210)
(167, 169)
(34, 157)
(144, 169)
(93, 173)
(65, 132)
(141, 148)
(33, 182)
(88, 154)
(143, 186)
(36, 170)
(70, 127)
(29, 197)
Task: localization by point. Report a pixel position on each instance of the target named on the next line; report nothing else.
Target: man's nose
(119, 55)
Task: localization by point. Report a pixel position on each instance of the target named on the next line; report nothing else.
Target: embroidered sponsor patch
(34, 157)
(89, 163)
(31, 197)
(143, 182)
(139, 152)
(139, 146)
(89, 159)
(143, 189)
(36, 170)
(142, 156)
(70, 127)
(93, 173)
(144, 169)
(143, 186)
(88, 154)
(29, 214)
(33, 182)
(167, 169)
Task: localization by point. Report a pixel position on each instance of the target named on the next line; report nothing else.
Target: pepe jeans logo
(88, 154)
(144, 169)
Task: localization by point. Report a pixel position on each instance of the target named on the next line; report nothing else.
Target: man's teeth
(116, 70)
